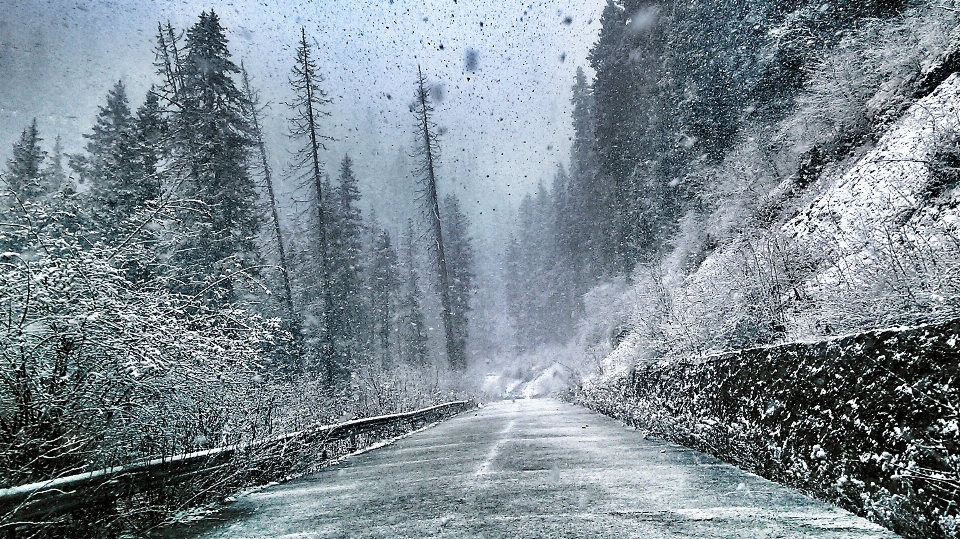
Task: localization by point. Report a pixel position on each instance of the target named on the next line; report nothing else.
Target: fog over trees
(234, 253)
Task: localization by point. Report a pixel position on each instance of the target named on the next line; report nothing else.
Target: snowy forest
(740, 173)
(704, 205)
(154, 304)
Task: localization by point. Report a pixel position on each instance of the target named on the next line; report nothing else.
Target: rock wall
(867, 421)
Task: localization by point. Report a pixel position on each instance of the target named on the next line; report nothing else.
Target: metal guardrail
(240, 465)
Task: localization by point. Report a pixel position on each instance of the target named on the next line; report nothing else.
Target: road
(530, 468)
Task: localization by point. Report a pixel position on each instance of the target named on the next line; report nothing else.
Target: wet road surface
(530, 468)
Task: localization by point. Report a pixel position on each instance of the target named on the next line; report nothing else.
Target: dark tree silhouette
(428, 153)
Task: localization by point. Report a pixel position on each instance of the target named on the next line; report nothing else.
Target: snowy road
(530, 468)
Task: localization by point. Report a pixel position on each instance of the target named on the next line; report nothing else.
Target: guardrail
(191, 479)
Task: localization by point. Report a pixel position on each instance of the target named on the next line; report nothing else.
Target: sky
(505, 69)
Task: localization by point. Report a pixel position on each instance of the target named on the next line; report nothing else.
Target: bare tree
(428, 152)
(308, 109)
(253, 103)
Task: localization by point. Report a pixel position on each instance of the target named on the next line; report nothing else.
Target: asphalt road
(530, 468)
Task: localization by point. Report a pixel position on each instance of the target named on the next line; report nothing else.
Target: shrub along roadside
(868, 421)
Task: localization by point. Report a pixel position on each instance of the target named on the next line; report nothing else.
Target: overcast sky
(506, 118)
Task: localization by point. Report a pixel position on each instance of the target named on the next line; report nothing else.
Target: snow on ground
(883, 190)
(553, 379)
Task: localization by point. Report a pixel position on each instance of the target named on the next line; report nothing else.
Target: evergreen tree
(148, 129)
(110, 131)
(615, 86)
(538, 279)
(169, 62)
(119, 167)
(254, 116)
(348, 322)
(583, 222)
(23, 190)
(459, 252)
(25, 169)
(135, 201)
(518, 291)
(384, 287)
(533, 251)
(212, 138)
(566, 275)
(56, 172)
(308, 108)
(411, 327)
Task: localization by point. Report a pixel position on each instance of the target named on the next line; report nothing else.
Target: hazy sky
(507, 122)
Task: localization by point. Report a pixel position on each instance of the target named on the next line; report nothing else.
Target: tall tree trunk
(284, 268)
(455, 355)
(326, 343)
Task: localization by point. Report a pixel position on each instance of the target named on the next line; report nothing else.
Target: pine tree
(516, 278)
(113, 167)
(254, 116)
(211, 142)
(23, 189)
(615, 87)
(348, 320)
(169, 63)
(411, 327)
(538, 279)
(148, 130)
(25, 169)
(56, 172)
(110, 130)
(584, 221)
(459, 252)
(428, 152)
(308, 108)
(127, 211)
(568, 279)
(384, 295)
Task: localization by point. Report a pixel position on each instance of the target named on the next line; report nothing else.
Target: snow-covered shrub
(909, 278)
(97, 369)
(864, 79)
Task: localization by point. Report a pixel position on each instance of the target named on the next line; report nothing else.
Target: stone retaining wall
(867, 421)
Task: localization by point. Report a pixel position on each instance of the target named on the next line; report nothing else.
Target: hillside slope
(872, 242)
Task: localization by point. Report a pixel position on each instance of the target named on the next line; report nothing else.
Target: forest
(742, 173)
(154, 304)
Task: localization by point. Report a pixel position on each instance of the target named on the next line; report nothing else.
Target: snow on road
(530, 468)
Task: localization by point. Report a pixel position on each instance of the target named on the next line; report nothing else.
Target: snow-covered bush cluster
(868, 421)
(99, 370)
(96, 370)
